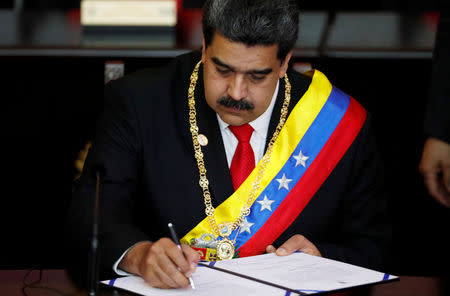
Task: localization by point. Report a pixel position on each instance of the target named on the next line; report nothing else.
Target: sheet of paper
(207, 282)
(305, 273)
(301, 272)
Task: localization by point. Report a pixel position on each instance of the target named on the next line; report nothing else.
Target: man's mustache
(242, 104)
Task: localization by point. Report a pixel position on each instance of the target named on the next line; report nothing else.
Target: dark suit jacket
(151, 178)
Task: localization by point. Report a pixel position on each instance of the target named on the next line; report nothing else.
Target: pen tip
(192, 284)
(170, 224)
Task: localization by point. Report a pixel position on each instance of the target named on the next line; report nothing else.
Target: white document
(299, 272)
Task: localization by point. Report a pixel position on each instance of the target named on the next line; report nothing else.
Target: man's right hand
(161, 264)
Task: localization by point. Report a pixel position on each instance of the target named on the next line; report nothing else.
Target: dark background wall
(397, 5)
(52, 104)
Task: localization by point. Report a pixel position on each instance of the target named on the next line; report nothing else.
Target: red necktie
(244, 159)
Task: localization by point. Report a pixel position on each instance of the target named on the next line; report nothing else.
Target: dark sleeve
(116, 147)
(364, 232)
(437, 117)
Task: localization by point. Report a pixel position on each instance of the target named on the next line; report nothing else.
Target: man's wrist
(133, 258)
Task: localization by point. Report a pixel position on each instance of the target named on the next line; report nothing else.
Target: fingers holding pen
(192, 258)
(164, 265)
(172, 273)
(185, 259)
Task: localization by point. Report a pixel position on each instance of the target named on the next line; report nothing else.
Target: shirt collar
(260, 124)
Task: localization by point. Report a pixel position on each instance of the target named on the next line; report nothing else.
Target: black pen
(177, 241)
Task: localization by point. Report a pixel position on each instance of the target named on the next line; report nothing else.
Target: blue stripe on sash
(312, 142)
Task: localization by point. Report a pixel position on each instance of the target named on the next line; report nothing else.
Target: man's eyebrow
(218, 62)
(261, 72)
(222, 64)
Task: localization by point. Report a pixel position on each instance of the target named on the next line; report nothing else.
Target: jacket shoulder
(146, 81)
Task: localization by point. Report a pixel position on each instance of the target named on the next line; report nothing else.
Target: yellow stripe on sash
(293, 131)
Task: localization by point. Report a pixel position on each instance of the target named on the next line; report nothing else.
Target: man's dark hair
(253, 22)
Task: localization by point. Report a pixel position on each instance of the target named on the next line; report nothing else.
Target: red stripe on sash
(333, 150)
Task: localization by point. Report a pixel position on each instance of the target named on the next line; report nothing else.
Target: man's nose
(237, 88)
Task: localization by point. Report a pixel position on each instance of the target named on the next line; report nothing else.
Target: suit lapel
(180, 104)
(214, 156)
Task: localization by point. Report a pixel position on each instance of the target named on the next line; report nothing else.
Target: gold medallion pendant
(225, 249)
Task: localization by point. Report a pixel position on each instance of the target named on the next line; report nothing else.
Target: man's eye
(223, 71)
(257, 77)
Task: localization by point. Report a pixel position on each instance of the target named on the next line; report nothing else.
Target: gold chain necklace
(225, 248)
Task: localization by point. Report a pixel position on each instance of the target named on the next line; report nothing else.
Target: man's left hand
(295, 243)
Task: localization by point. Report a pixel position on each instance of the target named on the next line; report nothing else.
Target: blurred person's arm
(435, 162)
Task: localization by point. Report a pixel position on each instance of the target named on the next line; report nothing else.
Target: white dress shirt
(258, 141)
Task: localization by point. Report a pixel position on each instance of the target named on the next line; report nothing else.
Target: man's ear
(285, 64)
(203, 51)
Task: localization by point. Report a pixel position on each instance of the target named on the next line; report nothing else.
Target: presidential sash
(317, 133)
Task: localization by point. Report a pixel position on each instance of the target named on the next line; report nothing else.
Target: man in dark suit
(241, 153)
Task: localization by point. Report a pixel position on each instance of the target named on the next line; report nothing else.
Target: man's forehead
(242, 68)
(239, 56)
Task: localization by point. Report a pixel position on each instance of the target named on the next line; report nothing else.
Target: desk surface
(352, 34)
(57, 282)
